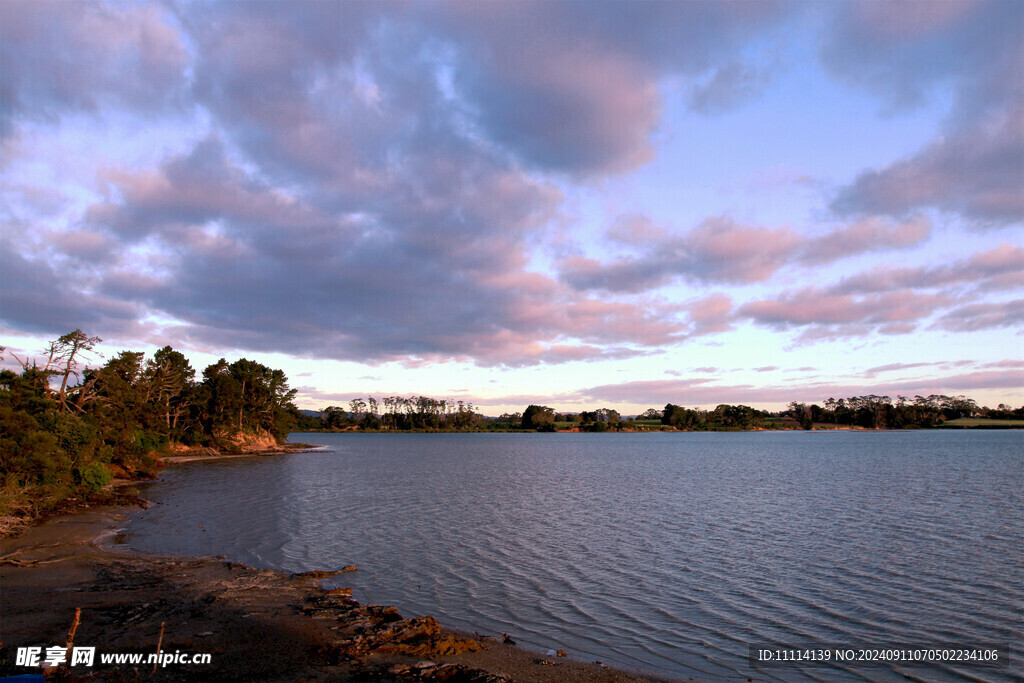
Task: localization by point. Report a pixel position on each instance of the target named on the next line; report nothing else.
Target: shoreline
(255, 624)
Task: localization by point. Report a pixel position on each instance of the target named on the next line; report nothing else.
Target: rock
(385, 614)
(320, 574)
(410, 629)
(449, 646)
(424, 665)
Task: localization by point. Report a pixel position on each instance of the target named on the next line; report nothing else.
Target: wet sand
(256, 624)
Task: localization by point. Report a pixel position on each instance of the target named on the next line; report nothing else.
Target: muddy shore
(255, 624)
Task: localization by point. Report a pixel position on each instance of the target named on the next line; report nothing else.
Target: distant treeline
(881, 412)
(869, 412)
(422, 413)
(66, 429)
(398, 413)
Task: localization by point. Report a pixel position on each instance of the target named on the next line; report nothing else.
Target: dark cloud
(368, 177)
(573, 86)
(36, 297)
(902, 49)
(441, 276)
(61, 57)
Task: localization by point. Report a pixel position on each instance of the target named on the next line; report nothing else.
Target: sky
(578, 204)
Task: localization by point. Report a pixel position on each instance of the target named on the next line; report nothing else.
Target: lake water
(671, 553)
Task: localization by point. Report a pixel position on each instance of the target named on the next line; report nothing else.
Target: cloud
(702, 393)
(987, 316)
(731, 85)
(824, 315)
(720, 250)
(36, 297)
(433, 277)
(717, 250)
(190, 191)
(573, 87)
(871, 234)
(892, 367)
(368, 181)
(904, 52)
(901, 50)
(711, 315)
(977, 173)
(991, 269)
(58, 58)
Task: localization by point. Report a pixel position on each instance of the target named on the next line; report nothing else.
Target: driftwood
(71, 638)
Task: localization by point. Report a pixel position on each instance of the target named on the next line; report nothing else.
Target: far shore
(256, 624)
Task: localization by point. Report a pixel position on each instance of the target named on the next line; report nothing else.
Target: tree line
(67, 427)
(881, 412)
(422, 413)
(399, 413)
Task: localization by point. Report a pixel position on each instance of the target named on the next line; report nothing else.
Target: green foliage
(95, 476)
(55, 439)
(541, 418)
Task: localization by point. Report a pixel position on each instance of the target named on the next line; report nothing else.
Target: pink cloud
(869, 234)
(826, 316)
(711, 315)
(726, 251)
(996, 268)
(717, 250)
(815, 306)
(722, 250)
(85, 245)
(700, 393)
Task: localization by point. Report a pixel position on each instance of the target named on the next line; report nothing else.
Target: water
(669, 553)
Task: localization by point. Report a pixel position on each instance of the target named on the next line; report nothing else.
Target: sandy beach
(255, 624)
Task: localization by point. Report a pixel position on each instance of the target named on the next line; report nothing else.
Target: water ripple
(665, 552)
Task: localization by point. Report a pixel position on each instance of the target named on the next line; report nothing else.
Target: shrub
(95, 476)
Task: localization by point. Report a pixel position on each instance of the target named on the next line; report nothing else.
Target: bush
(95, 476)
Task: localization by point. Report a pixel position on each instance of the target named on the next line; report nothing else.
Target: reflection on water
(666, 552)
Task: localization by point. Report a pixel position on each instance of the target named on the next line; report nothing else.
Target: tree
(541, 418)
(170, 381)
(63, 357)
(683, 418)
(651, 414)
